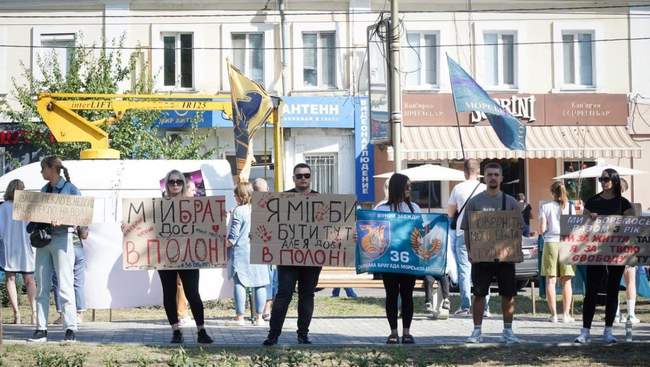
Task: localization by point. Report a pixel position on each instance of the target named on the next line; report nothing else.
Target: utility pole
(395, 91)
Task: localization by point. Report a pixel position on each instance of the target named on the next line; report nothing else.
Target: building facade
(568, 69)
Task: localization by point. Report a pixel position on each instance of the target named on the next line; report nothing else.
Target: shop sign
(521, 107)
(364, 152)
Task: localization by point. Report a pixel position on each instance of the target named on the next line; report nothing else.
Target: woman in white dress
(16, 253)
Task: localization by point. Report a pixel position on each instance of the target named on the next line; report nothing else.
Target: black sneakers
(177, 337)
(270, 341)
(69, 336)
(303, 339)
(203, 337)
(39, 336)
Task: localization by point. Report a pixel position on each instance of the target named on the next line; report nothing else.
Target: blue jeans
(348, 292)
(57, 257)
(79, 281)
(465, 274)
(240, 297)
(272, 287)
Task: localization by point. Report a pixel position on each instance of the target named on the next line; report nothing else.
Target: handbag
(454, 220)
(41, 236)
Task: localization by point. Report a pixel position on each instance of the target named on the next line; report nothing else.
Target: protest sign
(46, 208)
(495, 236)
(390, 242)
(303, 229)
(605, 240)
(179, 233)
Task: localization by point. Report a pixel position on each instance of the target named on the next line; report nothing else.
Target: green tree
(95, 70)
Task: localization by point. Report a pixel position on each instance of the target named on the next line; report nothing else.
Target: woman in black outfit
(607, 202)
(176, 186)
(397, 284)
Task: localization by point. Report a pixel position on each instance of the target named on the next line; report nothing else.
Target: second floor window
(577, 55)
(420, 61)
(61, 47)
(178, 60)
(248, 54)
(500, 59)
(319, 59)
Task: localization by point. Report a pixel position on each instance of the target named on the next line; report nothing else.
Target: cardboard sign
(606, 240)
(42, 207)
(495, 236)
(390, 242)
(303, 229)
(179, 233)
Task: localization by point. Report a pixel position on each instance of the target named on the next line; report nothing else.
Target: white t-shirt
(551, 211)
(459, 196)
(403, 208)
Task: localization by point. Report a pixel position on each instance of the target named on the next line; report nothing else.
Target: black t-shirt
(294, 190)
(526, 213)
(601, 206)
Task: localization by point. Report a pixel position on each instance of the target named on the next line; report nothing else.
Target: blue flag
(469, 96)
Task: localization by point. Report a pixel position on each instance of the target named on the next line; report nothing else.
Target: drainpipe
(283, 44)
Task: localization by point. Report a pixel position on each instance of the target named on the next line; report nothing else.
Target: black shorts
(484, 273)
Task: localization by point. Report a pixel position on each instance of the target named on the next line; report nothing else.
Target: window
(248, 54)
(500, 59)
(324, 172)
(420, 61)
(427, 194)
(578, 56)
(59, 47)
(178, 60)
(319, 59)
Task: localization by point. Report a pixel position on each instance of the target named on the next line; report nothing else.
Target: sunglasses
(300, 176)
(175, 182)
(604, 179)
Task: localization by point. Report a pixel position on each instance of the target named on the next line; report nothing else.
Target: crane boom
(58, 112)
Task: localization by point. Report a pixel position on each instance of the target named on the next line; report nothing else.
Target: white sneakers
(475, 338)
(508, 337)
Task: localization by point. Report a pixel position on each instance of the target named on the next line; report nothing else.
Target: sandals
(392, 339)
(408, 339)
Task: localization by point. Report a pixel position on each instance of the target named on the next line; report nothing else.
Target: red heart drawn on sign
(215, 228)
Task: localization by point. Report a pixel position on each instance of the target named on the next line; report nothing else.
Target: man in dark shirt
(288, 276)
(526, 212)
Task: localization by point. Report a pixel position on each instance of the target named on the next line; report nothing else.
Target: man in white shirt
(457, 200)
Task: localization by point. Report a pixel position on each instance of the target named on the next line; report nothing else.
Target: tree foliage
(96, 70)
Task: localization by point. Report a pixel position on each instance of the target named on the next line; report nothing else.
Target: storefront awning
(481, 142)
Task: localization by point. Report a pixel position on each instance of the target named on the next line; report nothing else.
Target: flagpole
(460, 135)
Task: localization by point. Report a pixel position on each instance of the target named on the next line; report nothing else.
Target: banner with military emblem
(390, 242)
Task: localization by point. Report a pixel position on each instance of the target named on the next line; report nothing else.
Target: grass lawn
(118, 355)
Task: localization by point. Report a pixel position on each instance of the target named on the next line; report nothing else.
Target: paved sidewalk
(331, 331)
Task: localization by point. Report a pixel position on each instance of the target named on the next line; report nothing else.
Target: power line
(331, 12)
(145, 48)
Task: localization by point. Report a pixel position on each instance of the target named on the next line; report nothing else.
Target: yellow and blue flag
(251, 107)
(469, 96)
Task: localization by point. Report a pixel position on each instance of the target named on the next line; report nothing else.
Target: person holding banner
(458, 198)
(260, 185)
(492, 200)
(16, 253)
(56, 257)
(398, 285)
(244, 274)
(549, 227)
(607, 202)
(176, 186)
(288, 276)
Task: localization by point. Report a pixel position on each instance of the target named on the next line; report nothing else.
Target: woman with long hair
(549, 227)
(398, 285)
(244, 274)
(16, 253)
(176, 187)
(57, 257)
(607, 202)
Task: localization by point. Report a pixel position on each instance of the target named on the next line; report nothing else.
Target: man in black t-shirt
(526, 213)
(288, 276)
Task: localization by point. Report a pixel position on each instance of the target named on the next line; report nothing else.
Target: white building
(566, 67)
